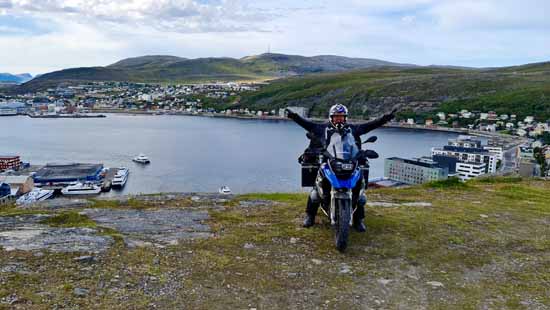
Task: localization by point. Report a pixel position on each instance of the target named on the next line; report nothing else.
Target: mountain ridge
(165, 68)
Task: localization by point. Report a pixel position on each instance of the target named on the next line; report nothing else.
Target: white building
(473, 155)
(469, 170)
(529, 119)
(495, 150)
(298, 110)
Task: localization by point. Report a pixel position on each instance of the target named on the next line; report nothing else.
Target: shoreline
(463, 131)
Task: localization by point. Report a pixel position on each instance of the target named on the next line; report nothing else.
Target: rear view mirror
(371, 154)
(371, 139)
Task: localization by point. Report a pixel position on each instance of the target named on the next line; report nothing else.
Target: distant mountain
(14, 78)
(177, 69)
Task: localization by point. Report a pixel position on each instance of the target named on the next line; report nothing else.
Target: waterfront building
(528, 168)
(413, 171)
(19, 184)
(53, 174)
(298, 110)
(468, 154)
(4, 190)
(496, 150)
(10, 162)
(470, 170)
(465, 141)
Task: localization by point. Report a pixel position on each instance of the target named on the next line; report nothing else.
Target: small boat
(142, 159)
(81, 189)
(33, 196)
(121, 177)
(225, 190)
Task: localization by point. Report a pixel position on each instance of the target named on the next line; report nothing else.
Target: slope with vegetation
(523, 90)
(480, 245)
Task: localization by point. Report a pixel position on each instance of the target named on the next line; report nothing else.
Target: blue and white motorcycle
(343, 165)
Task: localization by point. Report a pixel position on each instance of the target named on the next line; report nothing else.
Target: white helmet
(338, 109)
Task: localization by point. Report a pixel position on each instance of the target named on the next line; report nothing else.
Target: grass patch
(448, 183)
(497, 180)
(69, 219)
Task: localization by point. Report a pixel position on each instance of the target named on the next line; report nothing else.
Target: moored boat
(81, 189)
(33, 196)
(121, 177)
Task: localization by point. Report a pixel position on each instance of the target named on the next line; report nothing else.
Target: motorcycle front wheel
(343, 209)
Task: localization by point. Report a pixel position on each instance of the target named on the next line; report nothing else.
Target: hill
(14, 78)
(523, 90)
(175, 69)
(482, 245)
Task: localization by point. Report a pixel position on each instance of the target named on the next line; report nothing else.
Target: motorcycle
(343, 164)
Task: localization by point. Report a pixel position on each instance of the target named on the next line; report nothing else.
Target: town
(510, 144)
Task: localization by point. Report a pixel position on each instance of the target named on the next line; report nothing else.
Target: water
(189, 153)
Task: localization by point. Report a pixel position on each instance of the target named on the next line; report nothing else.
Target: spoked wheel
(342, 224)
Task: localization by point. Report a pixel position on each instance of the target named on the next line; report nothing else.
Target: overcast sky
(47, 35)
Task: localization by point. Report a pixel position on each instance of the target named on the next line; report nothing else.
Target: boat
(33, 196)
(142, 159)
(225, 190)
(81, 189)
(121, 177)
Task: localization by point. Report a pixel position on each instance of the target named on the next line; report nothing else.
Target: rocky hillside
(523, 90)
(176, 69)
(482, 245)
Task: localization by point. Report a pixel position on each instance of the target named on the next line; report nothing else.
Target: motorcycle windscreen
(343, 146)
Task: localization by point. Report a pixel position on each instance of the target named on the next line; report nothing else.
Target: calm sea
(190, 153)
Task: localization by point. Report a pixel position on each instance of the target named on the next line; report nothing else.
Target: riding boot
(359, 215)
(311, 209)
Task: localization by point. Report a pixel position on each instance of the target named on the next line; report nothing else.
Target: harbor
(31, 183)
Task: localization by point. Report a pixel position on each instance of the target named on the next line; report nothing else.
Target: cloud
(54, 34)
(185, 16)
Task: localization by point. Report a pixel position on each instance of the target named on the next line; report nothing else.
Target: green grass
(486, 241)
(448, 183)
(69, 219)
(367, 92)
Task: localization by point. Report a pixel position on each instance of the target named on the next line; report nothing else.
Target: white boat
(225, 190)
(142, 159)
(120, 177)
(81, 189)
(33, 196)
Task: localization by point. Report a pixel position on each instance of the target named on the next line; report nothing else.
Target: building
(465, 141)
(469, 154)
(470, 170)
(298, 110)
(19, 184)
(60, 174)
(529, 168)
(4, 190)
(496, 150)
(413, 171)
(10, 162)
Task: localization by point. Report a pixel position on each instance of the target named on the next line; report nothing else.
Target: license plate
(347, 166)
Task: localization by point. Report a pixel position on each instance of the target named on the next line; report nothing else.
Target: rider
(337, 122)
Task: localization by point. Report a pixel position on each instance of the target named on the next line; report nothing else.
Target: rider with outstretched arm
(323, 131)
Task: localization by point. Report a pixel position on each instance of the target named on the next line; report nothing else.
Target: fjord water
(190, 153)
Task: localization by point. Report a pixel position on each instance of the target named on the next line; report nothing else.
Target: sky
(48, 35)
